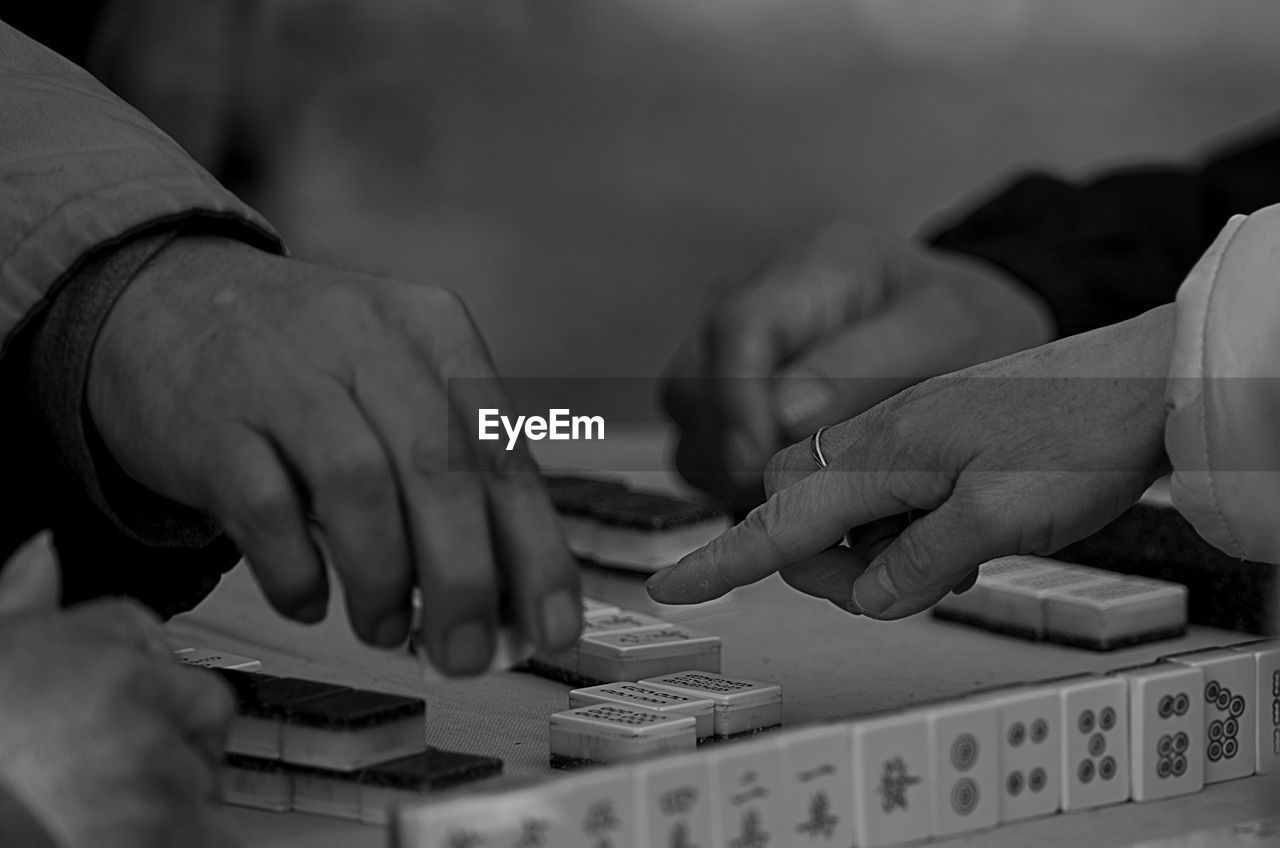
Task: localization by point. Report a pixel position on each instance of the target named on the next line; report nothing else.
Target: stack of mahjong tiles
(316, 747)
(1038, 598)
(608, 523)
(626, 721)
(935, 770)
(619, 644)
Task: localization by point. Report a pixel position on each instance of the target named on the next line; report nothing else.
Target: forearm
(91, 187)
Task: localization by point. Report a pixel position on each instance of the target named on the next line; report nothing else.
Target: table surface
(831, 666)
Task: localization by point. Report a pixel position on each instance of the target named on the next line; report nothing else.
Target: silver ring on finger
(815, 445)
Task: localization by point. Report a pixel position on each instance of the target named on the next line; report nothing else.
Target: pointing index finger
(794, 524)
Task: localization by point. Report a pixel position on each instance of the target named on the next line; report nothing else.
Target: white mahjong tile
(964, 766)
(676, 804)
(1095, 741)
(740, 705)
(747, 782)
(600, 809)
(1166, 730)
(1030, 748)
(1230, 711)
(817, 786)
(645, 697)
(522, 817)
(891, 786)
(1266, 657)
(612, 733)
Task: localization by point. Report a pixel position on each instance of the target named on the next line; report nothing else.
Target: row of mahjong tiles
(951, 767)
(831, 666)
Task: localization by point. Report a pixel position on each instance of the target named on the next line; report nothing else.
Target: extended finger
(539, 575)
(794, 524)
(353, 494)
(254, 498)
(445, 512)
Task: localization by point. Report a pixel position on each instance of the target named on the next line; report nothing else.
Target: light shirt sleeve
(1223, 429)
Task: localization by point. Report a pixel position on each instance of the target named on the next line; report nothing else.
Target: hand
(104, 738)
(825, 331)
(284, 398)
(1023, 455)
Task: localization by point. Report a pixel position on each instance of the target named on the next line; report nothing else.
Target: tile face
(741, 705)
(1030, 748)
(603, 622)
(1230, 712)
(642, 696)
(527, 817)
(964, 767)
(1095, 741)
(891, 786)
(612, 733)
(817, 787)
(747, 784)
(1267, 688)
(1166, 731)
(599, 809)
(215, 659)
(675, 802)
(646, 652)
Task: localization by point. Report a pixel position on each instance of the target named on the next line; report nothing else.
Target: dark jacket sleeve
(87, 183)
(1110, 248)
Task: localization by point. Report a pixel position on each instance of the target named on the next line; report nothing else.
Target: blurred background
(581, 171)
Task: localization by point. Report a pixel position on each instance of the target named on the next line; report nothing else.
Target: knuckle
(358, 470)
(762, 523)
(786, 467)
(446, 301)
(729, 327)
(260, 504)
(987, 517)
(433, 456)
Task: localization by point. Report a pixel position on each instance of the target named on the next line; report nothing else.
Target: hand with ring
(1022, 455)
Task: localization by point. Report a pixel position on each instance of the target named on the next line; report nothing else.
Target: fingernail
(801, 399)
(654, 583)
(393, 629)
(870, 594)
(469, 648)
(560, 619)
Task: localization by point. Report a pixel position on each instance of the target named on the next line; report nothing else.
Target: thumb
(31, 581)
(934, 555)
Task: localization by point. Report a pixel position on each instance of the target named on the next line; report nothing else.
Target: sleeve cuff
(1223, 394)
(62, 344)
